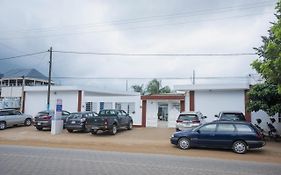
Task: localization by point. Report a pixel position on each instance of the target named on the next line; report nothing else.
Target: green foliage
(265, 97)
(153, 87)
(269, 64)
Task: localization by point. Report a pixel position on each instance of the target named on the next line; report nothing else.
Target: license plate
(38, 123)
(73, 122)
(94, 128)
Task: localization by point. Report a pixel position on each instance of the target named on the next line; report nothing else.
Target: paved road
(18, 160)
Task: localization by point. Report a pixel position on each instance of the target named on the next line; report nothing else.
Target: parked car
(44, 119)
(76, 121)
(231, 115)
(110, 120)
(189, 120)
(238, 136)
(12, 117)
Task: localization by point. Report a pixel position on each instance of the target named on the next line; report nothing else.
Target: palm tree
(155, 87)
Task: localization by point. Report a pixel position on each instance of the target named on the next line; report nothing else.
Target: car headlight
(172, 135)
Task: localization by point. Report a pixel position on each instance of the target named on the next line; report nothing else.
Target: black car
(44, 119)
(231, 115)
(238, 136)
(76, 121)
(110, 120)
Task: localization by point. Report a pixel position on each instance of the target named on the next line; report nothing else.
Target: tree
(267, 96)
(269, 64)
(138, 88)
(155, 87)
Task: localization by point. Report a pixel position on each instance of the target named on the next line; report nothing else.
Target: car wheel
(114, 130)
(130, 125)
(70, 130)
(3, 125)
(184, 143)
(27, 122)
(239, 147)
(94, 132)
(39, 128)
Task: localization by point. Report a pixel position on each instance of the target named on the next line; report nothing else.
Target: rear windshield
(188, 117)
(75, 115)
(107, 112)
(233, 116)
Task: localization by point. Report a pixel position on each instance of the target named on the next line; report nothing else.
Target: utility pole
(193, 77)
(50, 75)
(22, 95)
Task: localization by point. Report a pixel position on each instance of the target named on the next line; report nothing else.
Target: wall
(37, 101)
(212, 102)
(11, 91)
(115, 99)
(265, 118)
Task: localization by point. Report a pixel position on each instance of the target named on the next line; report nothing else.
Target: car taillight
(195, 121)
(179, 121)
(47, 117)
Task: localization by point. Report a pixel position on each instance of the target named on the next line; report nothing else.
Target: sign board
(58, 109)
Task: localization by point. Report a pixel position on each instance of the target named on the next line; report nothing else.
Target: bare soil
(138, 140)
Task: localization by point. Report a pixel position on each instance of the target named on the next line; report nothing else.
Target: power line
(153, 54)
(25, 55)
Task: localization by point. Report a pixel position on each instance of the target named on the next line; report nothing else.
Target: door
(206, 136)
(225, 135)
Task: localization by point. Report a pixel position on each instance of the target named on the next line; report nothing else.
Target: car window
(65, 113)
(2, 113)
(75, 115)
(208, 128)
(243, 128)
(233, 116)
(225, 128)
(187, 117)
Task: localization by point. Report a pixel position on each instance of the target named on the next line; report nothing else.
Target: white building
(210, 99)
(77, 99)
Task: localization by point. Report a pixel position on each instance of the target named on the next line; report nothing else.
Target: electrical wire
(25, 55)
(154, 54)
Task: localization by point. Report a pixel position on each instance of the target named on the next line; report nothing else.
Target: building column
(79, 101)
(143, 122)
(191, 101)
(182, 105)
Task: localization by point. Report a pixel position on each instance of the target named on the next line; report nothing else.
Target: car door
(125, 118)
(206, 135)
(225, 134)
(18, 117)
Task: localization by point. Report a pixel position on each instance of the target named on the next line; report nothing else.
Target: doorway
(162, 115)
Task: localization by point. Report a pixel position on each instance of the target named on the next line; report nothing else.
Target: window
(127, 107)
(89, 106)
(225, 128)
(243, 128)
(208, 128)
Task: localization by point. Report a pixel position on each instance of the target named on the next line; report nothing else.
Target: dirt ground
(138, 140)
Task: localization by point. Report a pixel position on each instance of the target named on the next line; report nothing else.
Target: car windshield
(107, 112)
(187, 117)
(233, 116)
(75, 115)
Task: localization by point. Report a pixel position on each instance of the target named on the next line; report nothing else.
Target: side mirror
(217, 116)
(204, 116)
(198, 131)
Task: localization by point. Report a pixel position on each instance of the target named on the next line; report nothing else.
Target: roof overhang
(206, 87)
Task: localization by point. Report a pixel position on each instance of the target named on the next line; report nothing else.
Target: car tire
(70, 130)
(94, 132)
(239, 147)
(114, 129)
(3, 125)
(39, 128)
(27, 122)
(130, 125)
(184, 143)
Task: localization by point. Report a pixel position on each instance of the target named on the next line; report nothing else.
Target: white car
(12, 117)
(189, 120)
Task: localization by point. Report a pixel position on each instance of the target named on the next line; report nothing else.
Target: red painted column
(182, 105)
(247, 114)
(191, 101)
(79, 101)
(143, 122)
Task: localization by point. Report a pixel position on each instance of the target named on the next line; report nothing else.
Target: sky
(138, 26)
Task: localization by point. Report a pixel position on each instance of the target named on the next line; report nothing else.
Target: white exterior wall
(11, 91)
(117, 99)
(214, 101)
(151, 113)
(186, 105)
(36, 101)
(173, 114)
(265, 118)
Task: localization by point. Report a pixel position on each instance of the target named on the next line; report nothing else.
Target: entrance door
(162, 115)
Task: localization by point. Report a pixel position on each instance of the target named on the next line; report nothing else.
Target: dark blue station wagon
(238, 136)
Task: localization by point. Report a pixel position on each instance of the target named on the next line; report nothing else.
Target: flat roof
(202, 87)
